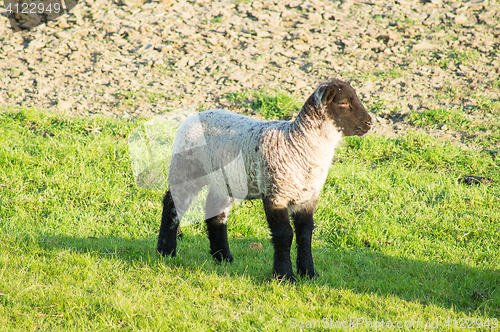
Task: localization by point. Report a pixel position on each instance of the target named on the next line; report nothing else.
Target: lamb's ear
(325, 94)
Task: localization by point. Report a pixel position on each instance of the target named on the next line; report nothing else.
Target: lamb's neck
(312, 132)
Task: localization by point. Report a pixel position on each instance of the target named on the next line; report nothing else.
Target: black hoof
(166, 250)
(219, 257)
(307, 274)
(286, 277)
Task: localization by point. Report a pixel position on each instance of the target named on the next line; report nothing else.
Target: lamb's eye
(346, 105)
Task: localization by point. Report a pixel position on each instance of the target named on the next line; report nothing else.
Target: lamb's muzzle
(284, 163)
(361, 131)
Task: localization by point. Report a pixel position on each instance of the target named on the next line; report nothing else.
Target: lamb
(284, 163)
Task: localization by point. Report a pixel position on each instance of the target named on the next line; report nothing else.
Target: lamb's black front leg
(167, 238)
(304, 225)
(282, 236)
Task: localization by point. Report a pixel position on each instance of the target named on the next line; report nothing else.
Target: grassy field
(398, 239)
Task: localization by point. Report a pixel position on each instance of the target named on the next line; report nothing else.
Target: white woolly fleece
(286, 161)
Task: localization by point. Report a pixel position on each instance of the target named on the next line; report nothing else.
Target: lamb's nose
(368, 124)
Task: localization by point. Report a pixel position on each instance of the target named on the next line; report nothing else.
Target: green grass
(486, 105)
(477, 128)
(217, 19)
(454, 118)
(466, 56)
(378, 75)
(270, 104)
(130, 98)
(397, 238)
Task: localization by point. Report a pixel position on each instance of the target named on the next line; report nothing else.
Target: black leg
(217, 234)
(167, 239)
(304, 225)
(216, 211)
(282, 236)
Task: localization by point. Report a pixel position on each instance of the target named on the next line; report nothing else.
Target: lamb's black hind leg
(167, 238)
(304, 225)
(282, 236)
(216, 210)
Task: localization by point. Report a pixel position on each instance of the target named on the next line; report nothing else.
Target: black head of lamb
(342, 105)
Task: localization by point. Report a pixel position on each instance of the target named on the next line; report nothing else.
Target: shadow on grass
(361, 270)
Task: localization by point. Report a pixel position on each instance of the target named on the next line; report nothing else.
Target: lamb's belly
(240, 190)
(237, 179)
